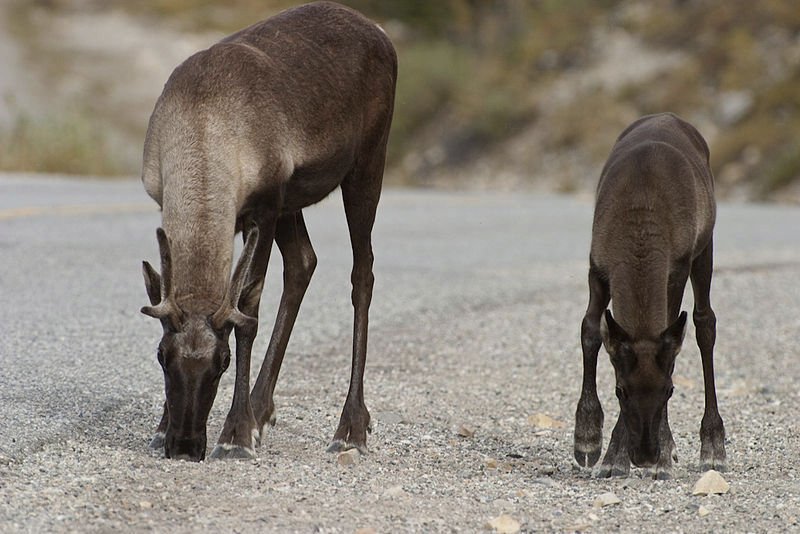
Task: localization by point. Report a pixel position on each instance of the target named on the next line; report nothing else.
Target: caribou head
(193, 351)
(643, 369)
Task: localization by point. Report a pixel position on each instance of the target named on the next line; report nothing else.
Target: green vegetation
(474, 75)
(67, 142)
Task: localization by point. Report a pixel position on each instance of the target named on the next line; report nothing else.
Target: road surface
(475, 319)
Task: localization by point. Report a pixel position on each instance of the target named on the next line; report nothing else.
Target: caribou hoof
(586, 458)
(663, 473)
(610, 471)
(158, 440)
(339, 445)
(228, 451)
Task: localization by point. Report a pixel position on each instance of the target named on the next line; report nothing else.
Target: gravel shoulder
(475, 321)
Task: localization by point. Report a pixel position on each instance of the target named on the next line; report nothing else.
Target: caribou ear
(672, 337)
(228, 313)
(152, 283)
(613, 334)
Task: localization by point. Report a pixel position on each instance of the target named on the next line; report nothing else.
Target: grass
(65, 142)
(784, 171)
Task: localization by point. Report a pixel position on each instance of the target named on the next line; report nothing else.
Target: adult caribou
(653, 225)
(244, 136)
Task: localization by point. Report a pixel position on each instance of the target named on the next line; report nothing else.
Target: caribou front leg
(712, 429)
(159, 437)
(589, 414)
(616, 462)
(240, 435)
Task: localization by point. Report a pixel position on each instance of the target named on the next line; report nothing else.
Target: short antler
(228, 313)
(166, 309)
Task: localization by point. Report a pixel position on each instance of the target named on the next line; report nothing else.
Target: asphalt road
(475, 320)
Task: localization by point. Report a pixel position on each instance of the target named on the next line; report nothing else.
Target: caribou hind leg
(712, 430)
(299, 262)
(589, 414)
(240, 434)
(361, 191)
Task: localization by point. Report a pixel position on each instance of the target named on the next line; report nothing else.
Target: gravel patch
(472, 379)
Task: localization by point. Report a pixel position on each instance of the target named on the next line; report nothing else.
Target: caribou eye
(621, 394)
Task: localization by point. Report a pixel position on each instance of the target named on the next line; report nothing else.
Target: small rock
(465, 431)
(145, 505)
(348, 458)
(394, 491)
(703, 511)
(491, 463)
(711, 483)
(605, 499)
(540, 420)
(545, 481)
(366, 530)
(504, 524)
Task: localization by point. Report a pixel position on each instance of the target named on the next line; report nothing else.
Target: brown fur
(250, 131)
(653, 226)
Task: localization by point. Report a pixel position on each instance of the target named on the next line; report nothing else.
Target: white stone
(711, 483)
(606, 499)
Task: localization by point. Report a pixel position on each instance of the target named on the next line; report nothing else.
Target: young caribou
(653, 225)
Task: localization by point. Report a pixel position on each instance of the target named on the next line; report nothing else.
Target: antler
(166, 310)
(229, 313)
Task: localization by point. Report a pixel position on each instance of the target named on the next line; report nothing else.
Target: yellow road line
(85, 209)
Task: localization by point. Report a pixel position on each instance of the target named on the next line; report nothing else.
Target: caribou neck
(639, 299)
(200, 225)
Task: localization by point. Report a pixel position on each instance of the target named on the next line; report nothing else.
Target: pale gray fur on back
(253, 114)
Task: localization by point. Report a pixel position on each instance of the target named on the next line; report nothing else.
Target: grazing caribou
(653, 224)
(244, 136)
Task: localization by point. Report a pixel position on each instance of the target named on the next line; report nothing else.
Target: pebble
(504, 524)
(711, 483)
(465, 431)
(348, 458)
(394, 491)
(540, 420)
(703, 511)
(606, 499)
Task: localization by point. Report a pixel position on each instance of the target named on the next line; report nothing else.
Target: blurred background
(492, 94)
